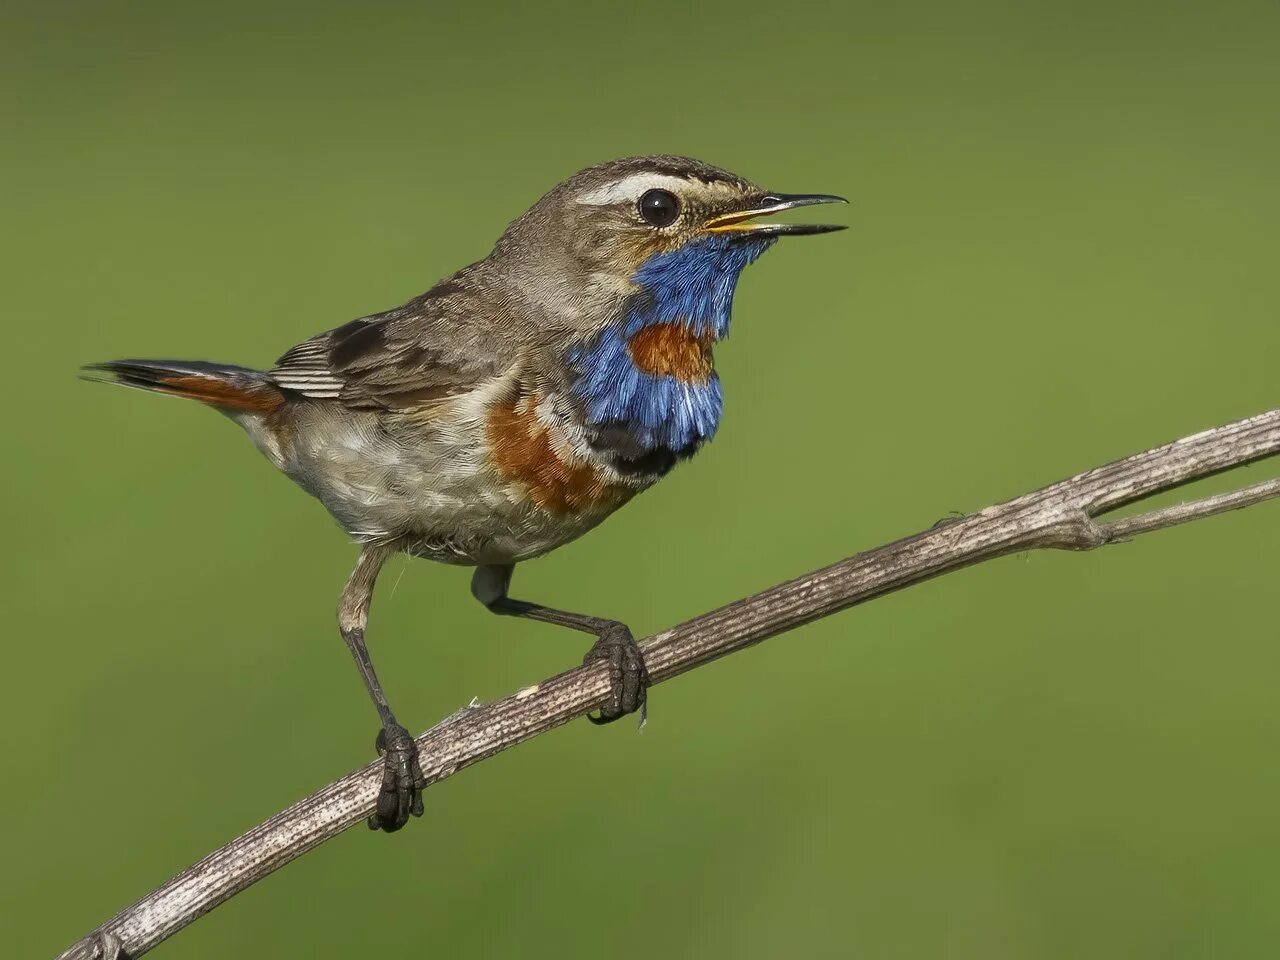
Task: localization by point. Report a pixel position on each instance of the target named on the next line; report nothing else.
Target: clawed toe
(618, 648)
(400, 795)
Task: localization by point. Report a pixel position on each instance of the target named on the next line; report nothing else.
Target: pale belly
(451, 490)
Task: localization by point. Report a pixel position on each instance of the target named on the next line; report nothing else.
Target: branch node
(1075, 530)
(99, 945)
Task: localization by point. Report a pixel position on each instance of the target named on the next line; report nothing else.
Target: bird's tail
(229, 388)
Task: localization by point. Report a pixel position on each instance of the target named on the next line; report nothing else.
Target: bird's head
(631, 266)
(667, 235)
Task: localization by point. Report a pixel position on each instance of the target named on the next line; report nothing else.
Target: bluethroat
(514, 405)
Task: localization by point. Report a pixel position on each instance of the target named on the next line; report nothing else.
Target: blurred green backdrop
(1063, 251)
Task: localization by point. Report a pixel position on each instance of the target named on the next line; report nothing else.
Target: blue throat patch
(693, 287)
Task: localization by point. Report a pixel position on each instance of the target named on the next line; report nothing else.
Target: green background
(1063, 250)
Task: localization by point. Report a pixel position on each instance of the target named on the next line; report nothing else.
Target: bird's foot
(618, 648)
(402, 780)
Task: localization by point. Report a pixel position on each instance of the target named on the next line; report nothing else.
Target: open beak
(739, 220)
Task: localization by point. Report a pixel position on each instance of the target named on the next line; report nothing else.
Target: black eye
(659, 208)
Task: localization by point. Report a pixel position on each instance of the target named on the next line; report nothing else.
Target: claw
(400, 795)
(630, 679)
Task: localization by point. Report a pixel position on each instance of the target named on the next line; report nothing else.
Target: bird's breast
(647, 378)
(672, 350)
(500, 474)
(653, 385)
(540, 453)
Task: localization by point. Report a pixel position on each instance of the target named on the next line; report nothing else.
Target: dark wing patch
(353, 340)
(434, 347)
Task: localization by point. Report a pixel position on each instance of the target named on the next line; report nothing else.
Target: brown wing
(428, 350)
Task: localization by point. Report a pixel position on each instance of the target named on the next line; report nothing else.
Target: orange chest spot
(522, 450)
(671, 350)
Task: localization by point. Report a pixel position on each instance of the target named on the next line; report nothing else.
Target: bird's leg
(402, 780)
(614, 643)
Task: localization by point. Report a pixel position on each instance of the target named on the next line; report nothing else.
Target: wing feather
(436, 346)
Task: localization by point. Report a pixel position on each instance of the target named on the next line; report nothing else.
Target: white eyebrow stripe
(630, 188)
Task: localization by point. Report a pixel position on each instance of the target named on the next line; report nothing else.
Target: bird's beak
(737, 221)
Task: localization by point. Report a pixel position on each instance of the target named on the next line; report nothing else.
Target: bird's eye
(659, 208)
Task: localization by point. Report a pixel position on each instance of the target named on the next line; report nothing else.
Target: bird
(514, 405)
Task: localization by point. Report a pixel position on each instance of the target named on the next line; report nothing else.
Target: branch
(1061, 516)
